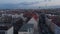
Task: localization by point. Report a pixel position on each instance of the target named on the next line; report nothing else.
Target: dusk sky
(31, 2)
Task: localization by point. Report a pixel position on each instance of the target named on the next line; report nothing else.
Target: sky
(16, 1)
(30, 3)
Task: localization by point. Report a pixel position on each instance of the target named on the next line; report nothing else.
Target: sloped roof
(56, 20)
(26, 27)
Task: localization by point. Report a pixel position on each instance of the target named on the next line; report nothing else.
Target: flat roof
(5, 26)
(26, 27)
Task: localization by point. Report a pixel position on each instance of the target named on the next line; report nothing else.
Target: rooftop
(55, 20)
(26, 27)
(5, 26)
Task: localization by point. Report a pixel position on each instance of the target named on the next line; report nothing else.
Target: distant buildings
(26, 21)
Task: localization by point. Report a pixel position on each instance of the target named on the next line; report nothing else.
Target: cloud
(16, 1)
(28, 3)
(10, 1)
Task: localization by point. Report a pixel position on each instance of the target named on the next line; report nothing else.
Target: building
(49, 23)
(54, 23)
(33, 21)
(6, 29)
(26, 29)
(17, 25)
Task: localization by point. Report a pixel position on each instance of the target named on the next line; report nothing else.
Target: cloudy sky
(30, 2)
(17, 1)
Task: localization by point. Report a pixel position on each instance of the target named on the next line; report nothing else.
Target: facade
(6, 29)
(33, 21)
(57, 29)
(54, 23)
(17, 25)
(50, 24)
(26, 29)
